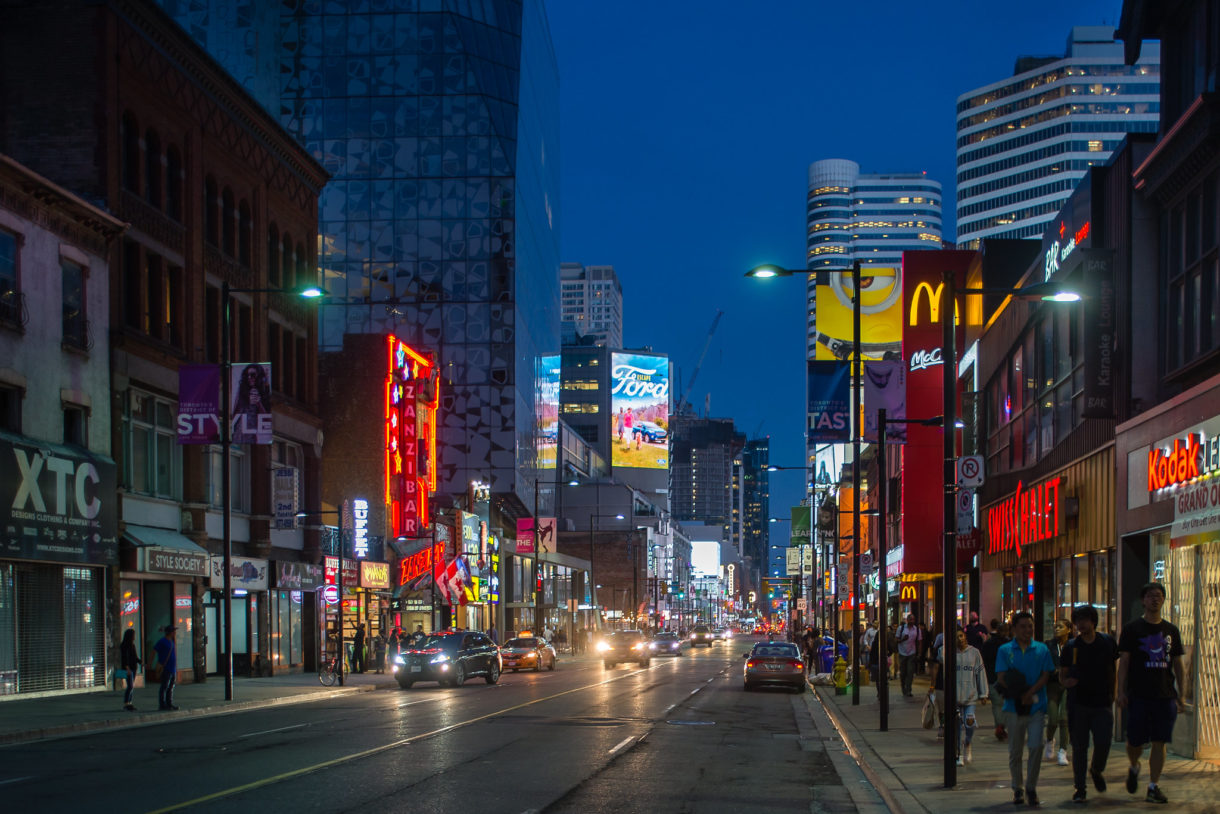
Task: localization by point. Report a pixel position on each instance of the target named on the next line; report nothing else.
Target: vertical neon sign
(412, 393)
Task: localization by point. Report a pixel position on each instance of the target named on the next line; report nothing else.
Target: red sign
(924, 306)
(351, 571)
(419, 563)
(1030, 516)
(412, 393)
(1170, 467)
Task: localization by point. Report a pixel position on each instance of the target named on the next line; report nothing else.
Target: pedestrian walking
(358, 650)
(129, 662)
(988, 651)
(1023, 666)
(1150, 663)
(976, 632)
(936, 692)
(394, 644)
(971, 686)
(1056, 697)
(1086, 671)
(809, 644)
(167, 659)
(909, 638)
(379, 653)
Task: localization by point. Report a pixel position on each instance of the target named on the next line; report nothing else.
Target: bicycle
(328, 672)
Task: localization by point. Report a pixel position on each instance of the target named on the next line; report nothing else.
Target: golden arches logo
(908, 592)
(934, 297)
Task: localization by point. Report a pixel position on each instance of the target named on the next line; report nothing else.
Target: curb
(909, 803)
(85, 727)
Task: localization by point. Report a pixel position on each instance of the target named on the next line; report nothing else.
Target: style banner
(198, 404)
(250, 391)
(1100, 334)
(829, 402)
(885, 387)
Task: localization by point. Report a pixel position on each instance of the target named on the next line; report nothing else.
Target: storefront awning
(140, 536)
(165, 551)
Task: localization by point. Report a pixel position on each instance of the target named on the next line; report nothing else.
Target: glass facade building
(438, 121)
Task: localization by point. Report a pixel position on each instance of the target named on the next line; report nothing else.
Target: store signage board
(244, 573)
(1030, 515)
(1185, 468)
(793, 561)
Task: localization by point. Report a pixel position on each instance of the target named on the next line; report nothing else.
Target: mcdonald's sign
(908, 592)
(925, 291)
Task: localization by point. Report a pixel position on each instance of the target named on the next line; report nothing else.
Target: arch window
(152, 168)
(244, 229)
(131, 153)
(211, 211)
(228, 223)
(273, 256)
(173, 183)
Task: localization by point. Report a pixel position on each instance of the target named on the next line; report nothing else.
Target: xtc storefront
(1169, 526)
(1048, 546)
(58, 536)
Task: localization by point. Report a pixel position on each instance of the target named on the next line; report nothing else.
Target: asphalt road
(678, 736)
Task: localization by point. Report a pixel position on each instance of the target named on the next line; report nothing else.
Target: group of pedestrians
(166, 665)
(1047, 696)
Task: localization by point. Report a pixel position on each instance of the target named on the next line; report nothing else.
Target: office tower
(755, 507)
(592, 303)
(871, 218)
(1025, 141)
(440, 222)
(701, 468)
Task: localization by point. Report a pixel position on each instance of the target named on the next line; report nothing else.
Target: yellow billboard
(880, 313)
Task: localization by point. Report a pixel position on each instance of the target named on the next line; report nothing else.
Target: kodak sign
(1031, 515)
(1176, 465)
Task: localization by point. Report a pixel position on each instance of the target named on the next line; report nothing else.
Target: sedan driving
(774, 663)
(449, 658)
(528, 653)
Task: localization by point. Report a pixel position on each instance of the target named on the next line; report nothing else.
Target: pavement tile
(908, 760)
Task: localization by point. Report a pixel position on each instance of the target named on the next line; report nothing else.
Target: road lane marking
(326, 764)
(622, 743)
(269, 731)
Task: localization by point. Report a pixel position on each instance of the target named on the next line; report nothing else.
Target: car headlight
(438, 659)
(602, 647)
(399, 660)
(652, 645)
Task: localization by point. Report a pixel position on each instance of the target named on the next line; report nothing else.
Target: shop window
(153, 460)
(84, 628)
(130, 615)
(184, 619)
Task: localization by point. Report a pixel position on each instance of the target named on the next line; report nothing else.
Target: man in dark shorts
(1086, 671)
(1149, 665)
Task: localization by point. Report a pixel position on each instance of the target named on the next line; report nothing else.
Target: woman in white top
(971, 691)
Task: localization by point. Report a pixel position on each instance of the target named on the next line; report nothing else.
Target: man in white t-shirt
(909, 638)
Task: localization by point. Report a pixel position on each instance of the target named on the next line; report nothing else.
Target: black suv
(701, 635)
(625, 645)
(449, 657)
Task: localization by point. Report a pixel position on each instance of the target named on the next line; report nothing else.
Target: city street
(678, 736)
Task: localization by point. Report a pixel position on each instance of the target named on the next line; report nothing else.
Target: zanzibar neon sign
(412, 393)
(419, 563)
(1189, 458)
(1030, 516)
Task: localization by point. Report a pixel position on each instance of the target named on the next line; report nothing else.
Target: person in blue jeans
(129, 662)
(167, 656)
(1023, 667)
(1086, 671)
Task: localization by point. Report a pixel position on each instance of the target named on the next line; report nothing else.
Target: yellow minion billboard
(880, 313)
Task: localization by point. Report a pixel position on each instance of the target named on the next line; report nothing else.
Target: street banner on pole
(250, 389)
(885, 387)
(198, 404)
(829, 411)
(801, 516)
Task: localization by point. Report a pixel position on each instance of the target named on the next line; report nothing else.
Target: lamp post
(338, 585)
(226, 447)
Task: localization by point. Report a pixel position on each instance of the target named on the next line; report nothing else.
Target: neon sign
(360, 521)
(412, 393)
(419, 563)
(1189, 458)
(924, 359)
(1055, 255)
(1030, 516)
(933, 296)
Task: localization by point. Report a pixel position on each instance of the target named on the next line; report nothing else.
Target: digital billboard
(547, 410)
(639, 406)
(880, 314)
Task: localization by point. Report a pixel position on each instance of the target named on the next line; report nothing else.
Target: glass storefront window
(184, 619)
(281, 651)
(1180, 603)
(129, 610)
(1080, 587)
(254, 648)
(295, 600)
(1063, 594)
(84, 621)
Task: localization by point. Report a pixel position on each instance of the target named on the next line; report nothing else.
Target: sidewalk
(908, 761)
(29, 719)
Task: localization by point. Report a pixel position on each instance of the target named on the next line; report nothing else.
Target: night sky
(687, 128)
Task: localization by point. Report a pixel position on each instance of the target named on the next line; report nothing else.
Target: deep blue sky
(686, 131)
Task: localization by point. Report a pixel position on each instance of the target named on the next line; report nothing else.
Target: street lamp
(226, 446)
(338, 584)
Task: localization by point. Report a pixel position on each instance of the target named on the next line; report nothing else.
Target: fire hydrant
(839, 674)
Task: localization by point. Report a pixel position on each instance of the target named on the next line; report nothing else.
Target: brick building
(114, 102)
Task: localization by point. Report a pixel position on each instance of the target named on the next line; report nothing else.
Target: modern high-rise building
(440, 223)
(592, 305)
(871, 218)
(755, 507)
(1024, 141)
(701, 469)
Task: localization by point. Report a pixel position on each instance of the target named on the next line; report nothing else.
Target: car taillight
(799, 665)
(751, 664)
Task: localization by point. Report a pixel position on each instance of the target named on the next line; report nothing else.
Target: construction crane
(682, 403)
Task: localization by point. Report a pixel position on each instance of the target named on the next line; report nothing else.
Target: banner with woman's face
(250, 407)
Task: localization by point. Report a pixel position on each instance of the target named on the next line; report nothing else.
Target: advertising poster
(829, 402)
(885, 387)
(547, 410)
(639, 404)
(198, 404)
(250, 391)
(880, 313)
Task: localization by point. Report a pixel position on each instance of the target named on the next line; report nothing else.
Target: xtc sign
(85, 504)
(1189, 458)
(1030, 516)
(924, 359)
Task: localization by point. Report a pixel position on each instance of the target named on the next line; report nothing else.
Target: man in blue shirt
(1023, 666)
(167, 657)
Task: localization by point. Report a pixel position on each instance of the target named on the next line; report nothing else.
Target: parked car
(624, 645)
(774, 663)
(527, 653)
(666, 642)
(449, 657)
(701, 635)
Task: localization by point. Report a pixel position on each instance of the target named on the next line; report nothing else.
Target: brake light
(751, 664)
(799, 665)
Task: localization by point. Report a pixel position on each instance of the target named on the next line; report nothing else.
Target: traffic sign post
(970, 471)
(965, 509)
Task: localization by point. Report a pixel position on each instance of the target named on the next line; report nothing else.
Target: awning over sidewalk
(165, 551)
